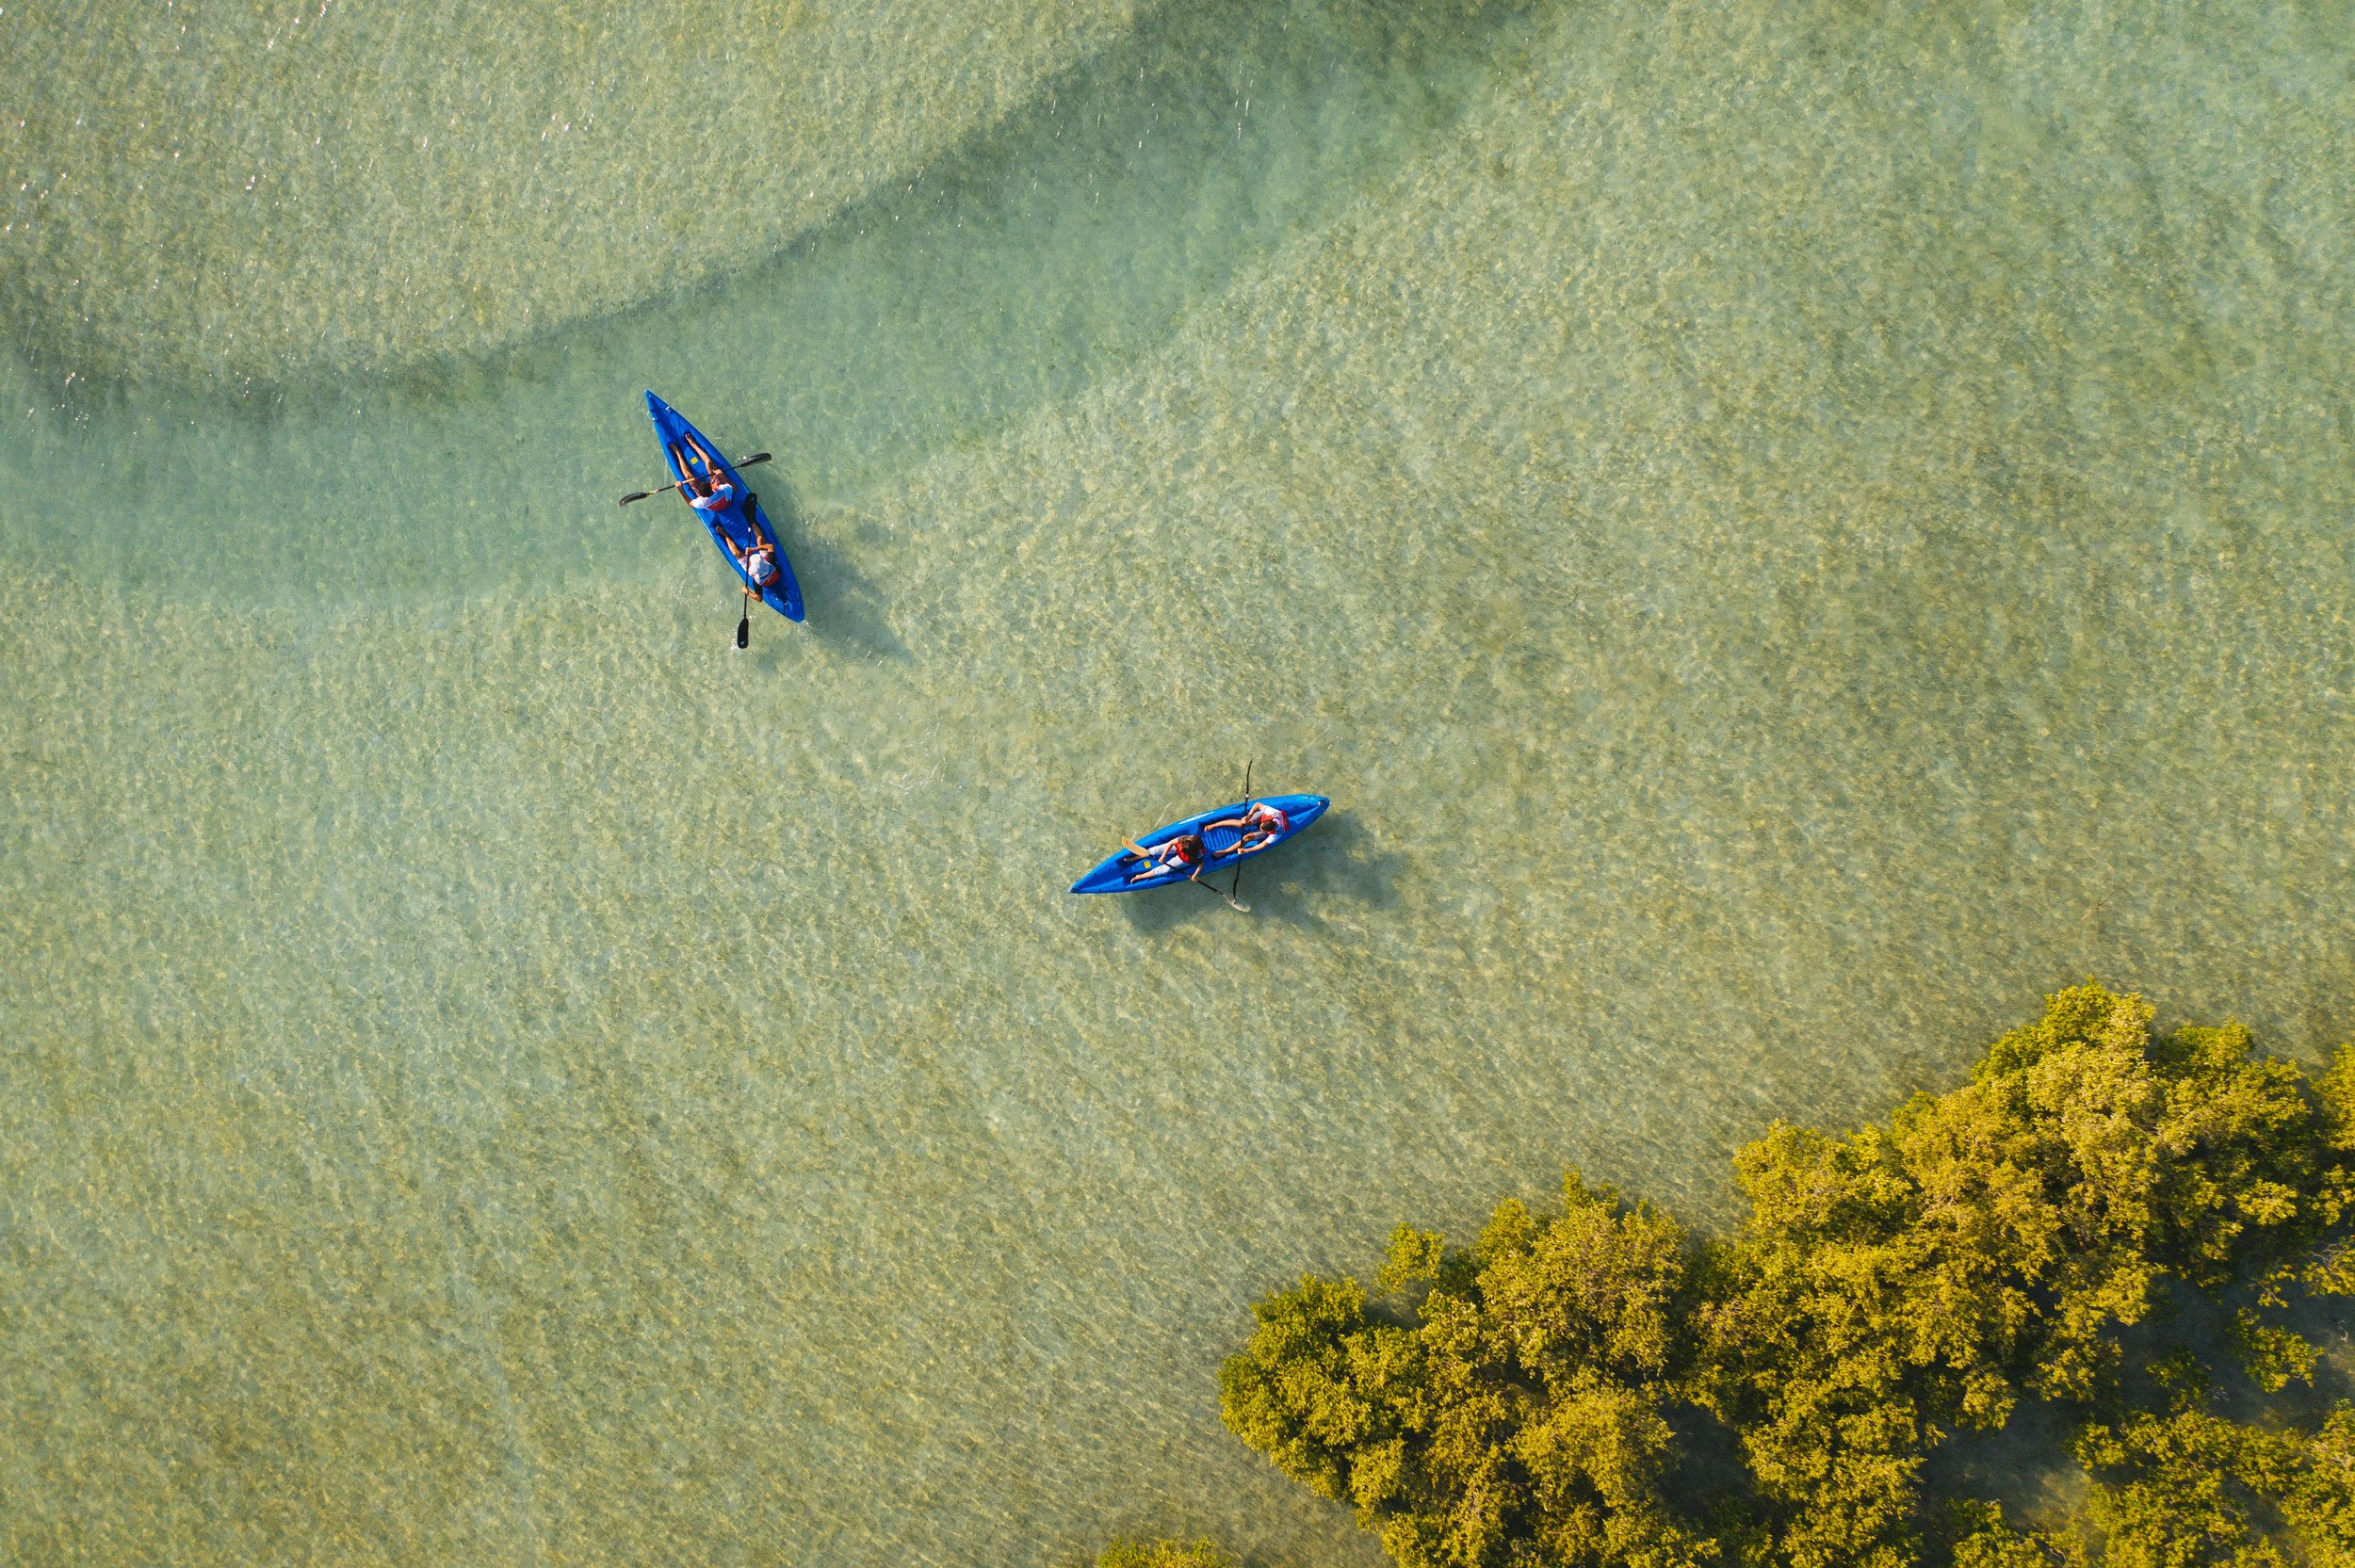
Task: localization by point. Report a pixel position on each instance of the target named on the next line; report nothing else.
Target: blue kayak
(741, 521)
(1114, 874)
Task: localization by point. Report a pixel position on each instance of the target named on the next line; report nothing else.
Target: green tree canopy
(1516, 1412)
(1510, 1402)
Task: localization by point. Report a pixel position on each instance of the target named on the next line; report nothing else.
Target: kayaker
(1259, 826)
(759, 562)
(703, 491)
(1184, 850)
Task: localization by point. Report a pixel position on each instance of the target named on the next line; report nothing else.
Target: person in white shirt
(1186, 852)
(705, 491)
(759, 563)
(1259, 826)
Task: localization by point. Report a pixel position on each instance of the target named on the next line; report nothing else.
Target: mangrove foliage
(1593, 1386)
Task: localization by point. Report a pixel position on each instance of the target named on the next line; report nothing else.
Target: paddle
(1232, 902)
(642, 494)
(1241, 829)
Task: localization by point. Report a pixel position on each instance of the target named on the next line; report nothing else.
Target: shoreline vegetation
(1596, 1385)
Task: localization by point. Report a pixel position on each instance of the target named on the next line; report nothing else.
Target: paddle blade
(744, 626)
(636, 495)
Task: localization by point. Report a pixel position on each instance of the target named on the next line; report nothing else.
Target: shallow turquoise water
(1784, 534)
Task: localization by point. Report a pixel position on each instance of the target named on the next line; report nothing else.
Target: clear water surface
(1786, 531)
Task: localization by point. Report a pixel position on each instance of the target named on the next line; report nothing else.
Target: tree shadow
(2029, 1465)
(2026, 1466)
(1334, 859)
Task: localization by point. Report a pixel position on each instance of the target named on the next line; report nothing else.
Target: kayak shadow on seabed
(1334, 860)
(845, 605)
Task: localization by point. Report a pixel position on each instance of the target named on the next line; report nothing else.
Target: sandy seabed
(221, 193)
(1783, 539)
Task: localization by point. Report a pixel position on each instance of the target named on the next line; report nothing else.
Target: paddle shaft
(643, 495)
(1243, 830)
(1232, 902)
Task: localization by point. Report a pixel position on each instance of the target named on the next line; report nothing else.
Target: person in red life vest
(1259, 826)
(759, 562)
(1185, 852)
(706, 491)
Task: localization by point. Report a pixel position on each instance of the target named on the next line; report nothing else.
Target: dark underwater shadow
(1034, 260)
(843, 605)
(2028, 1466)
(1071, 238)
(1334, 860)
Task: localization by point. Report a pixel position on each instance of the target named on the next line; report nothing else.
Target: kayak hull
(1112, 875)
(741, 520)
